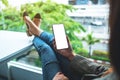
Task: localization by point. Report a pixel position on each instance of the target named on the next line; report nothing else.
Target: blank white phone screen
(60, 36)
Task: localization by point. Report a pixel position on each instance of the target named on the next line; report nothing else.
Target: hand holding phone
(60, 36)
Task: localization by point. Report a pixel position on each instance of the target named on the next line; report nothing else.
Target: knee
(40, 44)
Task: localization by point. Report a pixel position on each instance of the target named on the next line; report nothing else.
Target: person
(65, 65)
(114, 27)
(50, 65)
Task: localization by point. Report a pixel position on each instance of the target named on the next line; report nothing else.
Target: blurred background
(85, 21)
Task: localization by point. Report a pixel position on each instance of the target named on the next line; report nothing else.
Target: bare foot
(27, 31)
(33, 28)
(37, 19)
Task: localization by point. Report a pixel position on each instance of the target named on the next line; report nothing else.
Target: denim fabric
(63, 62)
(50, 64)
(50, 59)
(47, 37)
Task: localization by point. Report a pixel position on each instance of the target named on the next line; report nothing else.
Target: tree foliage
(51, 12)
(90, 41)
(5, 2)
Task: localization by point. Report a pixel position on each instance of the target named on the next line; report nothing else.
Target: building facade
(87, 2)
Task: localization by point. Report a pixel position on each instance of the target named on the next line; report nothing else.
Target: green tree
(11, 19)
(90, 41)
(5, 2)
(53, 13)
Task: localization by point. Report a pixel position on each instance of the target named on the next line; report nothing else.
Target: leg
(64, 63)
(49, 62)
(48, 38)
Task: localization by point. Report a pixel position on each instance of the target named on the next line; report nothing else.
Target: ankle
(39, 32)
(36, 31)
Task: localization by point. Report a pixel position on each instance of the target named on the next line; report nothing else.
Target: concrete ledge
(20, 71)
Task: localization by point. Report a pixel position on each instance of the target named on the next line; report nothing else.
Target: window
(98, 2)
(86, 2)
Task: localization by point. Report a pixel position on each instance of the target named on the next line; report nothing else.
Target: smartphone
(60, 36)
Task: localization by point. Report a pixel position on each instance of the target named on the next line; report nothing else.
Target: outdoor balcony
(22, 66)
(18, 62)
(14, 64)
(21, 69)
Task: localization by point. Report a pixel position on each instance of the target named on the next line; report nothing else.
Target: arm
(79, 63)
(84, 66)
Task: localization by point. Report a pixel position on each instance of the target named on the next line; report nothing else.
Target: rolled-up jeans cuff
(47, 37)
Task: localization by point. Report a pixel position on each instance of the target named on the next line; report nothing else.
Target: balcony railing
(20, 71)
(17, 70)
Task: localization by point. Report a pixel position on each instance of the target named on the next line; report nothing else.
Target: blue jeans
(52, 62)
